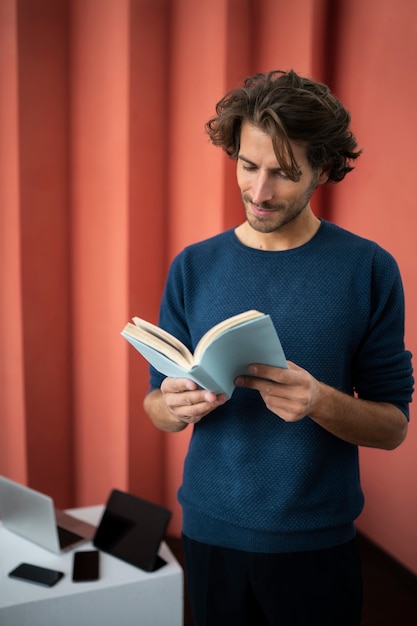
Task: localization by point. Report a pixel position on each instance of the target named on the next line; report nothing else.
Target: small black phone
(85, 566)
(36, 574)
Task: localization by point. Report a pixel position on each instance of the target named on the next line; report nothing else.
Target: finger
(255, 382)
(193, 405)
(178, 385)
(267, 372)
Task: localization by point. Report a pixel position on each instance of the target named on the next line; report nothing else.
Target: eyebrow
(241, 157)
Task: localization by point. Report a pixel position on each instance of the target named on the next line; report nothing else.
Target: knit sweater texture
(252, 481)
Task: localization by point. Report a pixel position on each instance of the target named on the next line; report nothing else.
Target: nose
(262, 190)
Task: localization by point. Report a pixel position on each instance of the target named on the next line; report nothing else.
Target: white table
(124, 595)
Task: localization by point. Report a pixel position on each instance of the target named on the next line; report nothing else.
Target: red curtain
(106, 173)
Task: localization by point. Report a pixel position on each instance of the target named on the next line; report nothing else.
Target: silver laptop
(32, 515)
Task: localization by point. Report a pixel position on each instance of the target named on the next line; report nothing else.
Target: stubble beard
(281, 214)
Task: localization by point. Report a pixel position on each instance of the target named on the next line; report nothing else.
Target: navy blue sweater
(252, 481)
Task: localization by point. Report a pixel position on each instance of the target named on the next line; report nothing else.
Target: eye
(280, 174)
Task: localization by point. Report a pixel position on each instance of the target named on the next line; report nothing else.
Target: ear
(323, 175)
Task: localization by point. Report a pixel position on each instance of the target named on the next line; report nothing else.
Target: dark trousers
(234, 588)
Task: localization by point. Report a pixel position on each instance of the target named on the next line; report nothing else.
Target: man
(271, 481)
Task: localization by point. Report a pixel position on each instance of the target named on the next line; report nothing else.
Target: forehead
(256, 144)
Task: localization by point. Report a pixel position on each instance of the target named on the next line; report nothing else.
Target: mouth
(260, 211)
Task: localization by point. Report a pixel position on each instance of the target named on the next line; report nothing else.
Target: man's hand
(289, 393)
(187, 402)
(180, 402)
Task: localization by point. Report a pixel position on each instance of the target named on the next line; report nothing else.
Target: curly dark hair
(288, 107)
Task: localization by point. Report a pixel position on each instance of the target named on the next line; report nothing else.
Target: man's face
(271, 199)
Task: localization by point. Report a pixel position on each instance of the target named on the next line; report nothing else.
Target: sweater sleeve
(383, 369)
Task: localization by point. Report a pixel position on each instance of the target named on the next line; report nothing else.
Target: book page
(160, 340)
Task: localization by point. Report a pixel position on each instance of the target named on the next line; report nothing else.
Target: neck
(284, 238)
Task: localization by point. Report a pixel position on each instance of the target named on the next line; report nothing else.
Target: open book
(223, 353)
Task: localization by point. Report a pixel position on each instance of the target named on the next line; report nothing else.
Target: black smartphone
(36, 574)
(85, 566)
